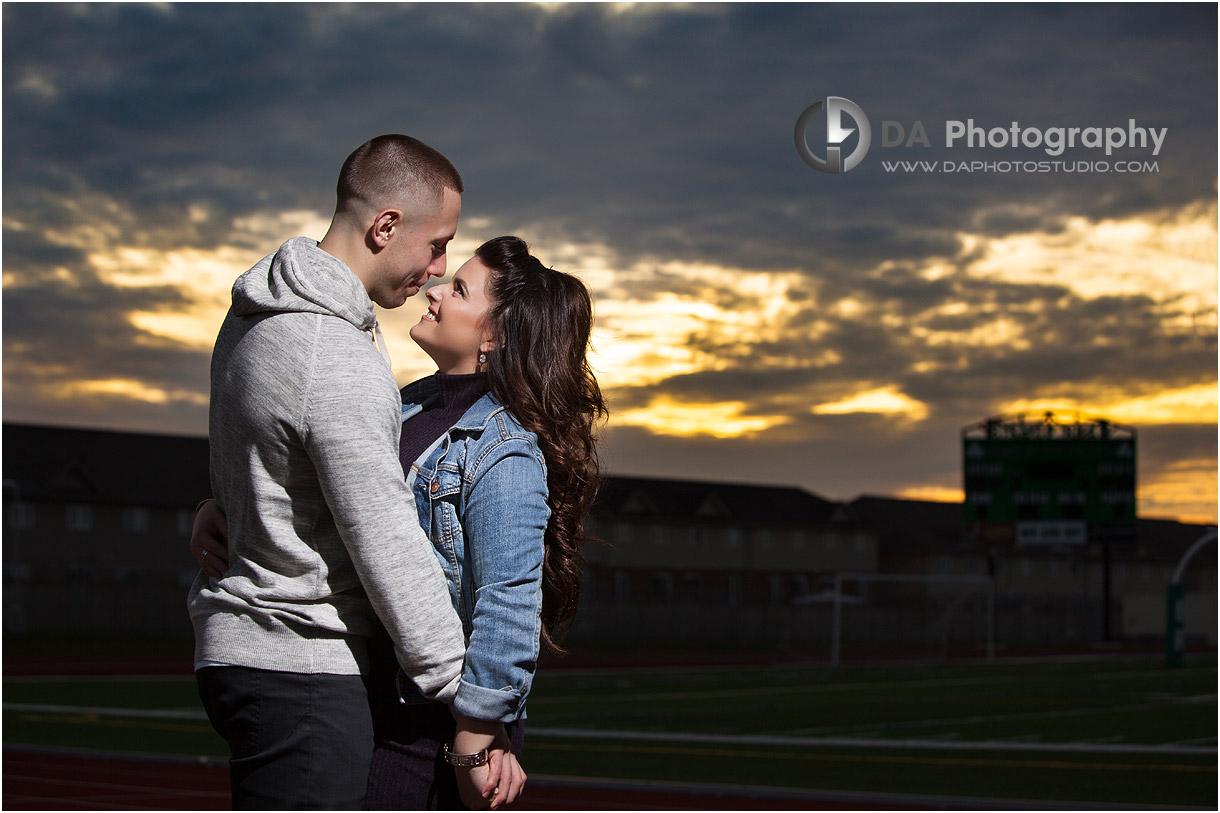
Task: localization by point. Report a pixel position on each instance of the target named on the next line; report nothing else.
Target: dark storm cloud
(843, 456)
(659, 133)
(35, 256)
(93, 339)
(836, 456)
(91, 332)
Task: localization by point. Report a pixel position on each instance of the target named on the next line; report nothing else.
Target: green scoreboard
(1048, 481)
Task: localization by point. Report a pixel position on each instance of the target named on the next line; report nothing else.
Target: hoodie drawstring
(379, 343)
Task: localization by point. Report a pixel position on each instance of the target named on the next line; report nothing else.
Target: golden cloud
(1185, 490)
(1192, 404)
(1169, 256)
(132, 389)
(667, 416)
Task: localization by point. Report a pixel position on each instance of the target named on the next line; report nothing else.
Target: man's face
(417, 252)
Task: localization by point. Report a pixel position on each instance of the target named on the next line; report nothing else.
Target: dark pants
(409, 771)
(298, 742)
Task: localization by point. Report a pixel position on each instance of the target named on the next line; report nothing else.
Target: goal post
(1175, 605)
(987, 583)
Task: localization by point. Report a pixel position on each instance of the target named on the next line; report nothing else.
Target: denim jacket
(482, 498)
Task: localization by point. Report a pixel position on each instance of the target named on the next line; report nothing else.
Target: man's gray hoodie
(323, 532)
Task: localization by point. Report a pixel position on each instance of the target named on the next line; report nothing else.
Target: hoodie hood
(302, 278)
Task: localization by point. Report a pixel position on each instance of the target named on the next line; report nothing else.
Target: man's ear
(387, 222)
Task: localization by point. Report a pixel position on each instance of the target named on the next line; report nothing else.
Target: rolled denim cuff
(493, 705)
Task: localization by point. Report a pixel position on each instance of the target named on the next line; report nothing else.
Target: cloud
(658, 133)
(155, 151)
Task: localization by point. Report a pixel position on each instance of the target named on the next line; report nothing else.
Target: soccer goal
(914, 609)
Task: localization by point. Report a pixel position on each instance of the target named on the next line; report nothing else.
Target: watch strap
(465, 760)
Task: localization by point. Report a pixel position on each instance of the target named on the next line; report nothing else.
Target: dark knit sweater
(456, 394)
(407, 771)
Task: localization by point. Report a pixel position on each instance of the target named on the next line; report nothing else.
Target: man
(323, 532)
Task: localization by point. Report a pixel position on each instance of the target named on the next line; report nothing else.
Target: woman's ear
(489, 341)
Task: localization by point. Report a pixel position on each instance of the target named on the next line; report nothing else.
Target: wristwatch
(465, 760)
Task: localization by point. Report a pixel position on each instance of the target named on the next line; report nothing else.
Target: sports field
(1107, 732)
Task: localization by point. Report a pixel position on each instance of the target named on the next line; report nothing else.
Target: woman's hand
(210, 539)
(498, 782)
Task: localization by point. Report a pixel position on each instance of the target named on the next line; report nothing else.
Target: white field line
(982, 718)
(787, 689)
(629, 695)
(99, 678)
(852, 742)
(108, 711)
(25, 749)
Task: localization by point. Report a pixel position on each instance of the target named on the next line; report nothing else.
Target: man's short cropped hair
(393, 170)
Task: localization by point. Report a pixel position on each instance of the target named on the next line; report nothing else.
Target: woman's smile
(456, 344)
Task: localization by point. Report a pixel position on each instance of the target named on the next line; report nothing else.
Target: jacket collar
(415, 397)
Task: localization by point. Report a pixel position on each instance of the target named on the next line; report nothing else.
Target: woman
(499, 449)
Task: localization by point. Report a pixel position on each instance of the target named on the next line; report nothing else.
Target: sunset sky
(758, 320)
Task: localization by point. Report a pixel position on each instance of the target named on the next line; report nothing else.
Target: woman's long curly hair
(542, 320)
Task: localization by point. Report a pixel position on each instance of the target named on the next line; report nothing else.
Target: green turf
(109, 733)
(1123, 779)
(1121, 702)
(171, 692)
(1140, 702)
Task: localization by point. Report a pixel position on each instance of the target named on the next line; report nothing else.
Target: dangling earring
(482, 358)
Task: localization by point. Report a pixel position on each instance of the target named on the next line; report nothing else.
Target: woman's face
(455, 329)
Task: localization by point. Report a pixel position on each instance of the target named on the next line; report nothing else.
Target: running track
(40, 781)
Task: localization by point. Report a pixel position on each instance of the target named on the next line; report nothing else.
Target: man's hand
(511, 775)
(210, 539)
(471, 781)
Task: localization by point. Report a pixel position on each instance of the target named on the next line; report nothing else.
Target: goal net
(875, 615)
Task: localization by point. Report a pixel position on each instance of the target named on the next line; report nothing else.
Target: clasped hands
(496, 783)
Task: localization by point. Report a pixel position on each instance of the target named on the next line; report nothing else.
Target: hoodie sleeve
(351, 422)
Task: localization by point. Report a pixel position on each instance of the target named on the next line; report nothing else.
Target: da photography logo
(836, 134)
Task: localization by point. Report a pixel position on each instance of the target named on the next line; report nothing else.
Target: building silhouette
(96, 526)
